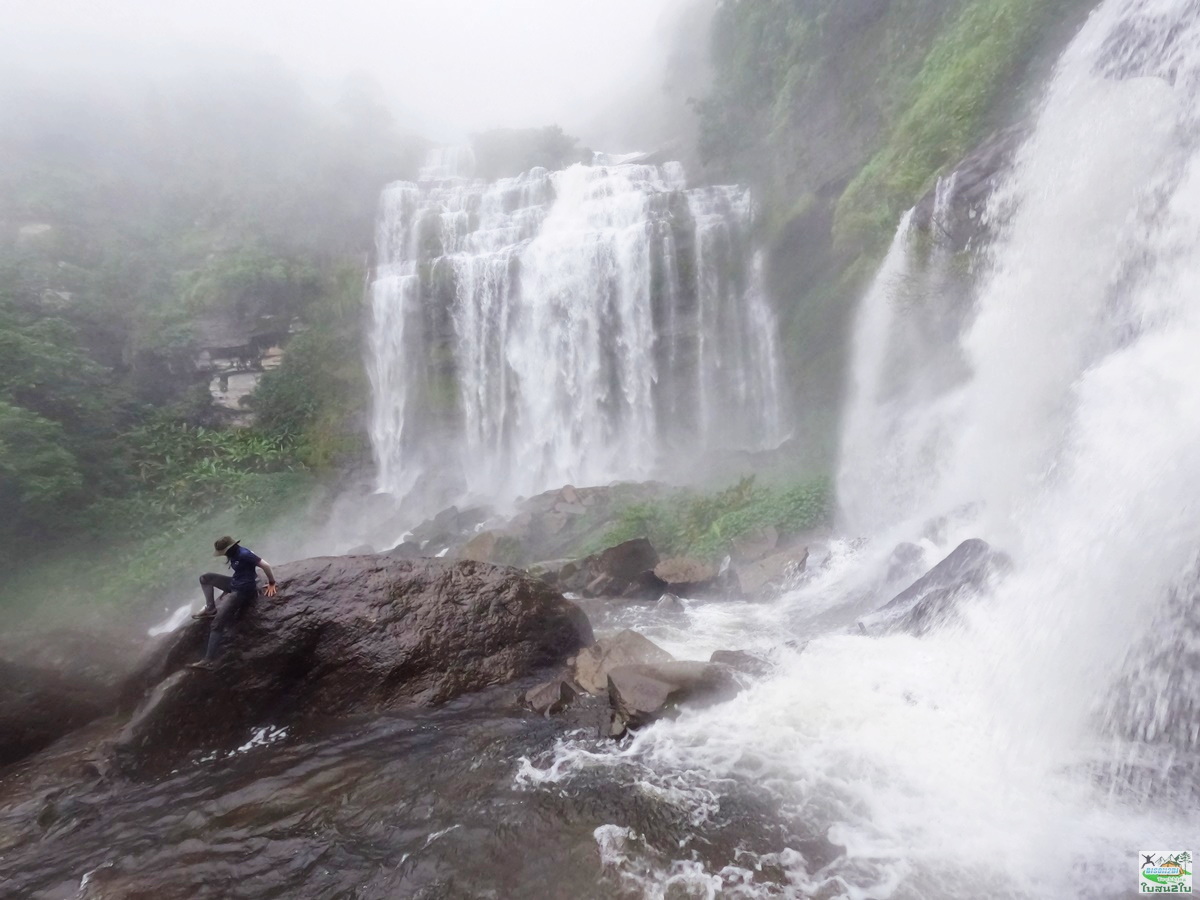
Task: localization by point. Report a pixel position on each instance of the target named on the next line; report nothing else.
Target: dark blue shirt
(243, 562)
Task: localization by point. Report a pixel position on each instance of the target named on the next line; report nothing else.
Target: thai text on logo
(1165, 872)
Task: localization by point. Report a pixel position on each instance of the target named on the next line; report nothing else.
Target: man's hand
(266, 567)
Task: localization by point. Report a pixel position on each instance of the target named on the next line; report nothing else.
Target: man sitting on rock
(243, 584)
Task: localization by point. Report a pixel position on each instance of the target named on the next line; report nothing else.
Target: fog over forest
(445, 68)
(653, 449)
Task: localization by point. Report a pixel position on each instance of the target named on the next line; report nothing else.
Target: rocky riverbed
(390, 727)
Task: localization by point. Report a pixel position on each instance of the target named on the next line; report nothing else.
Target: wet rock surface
(743, 661)
(54, 682)
(590, 669)
(686, 576)
(639, 694)
(932, 598)
(965, 223)
(764, 577)
(616, 571)
(38, 706)
(374, 799)
(419, 803)
(348, 635)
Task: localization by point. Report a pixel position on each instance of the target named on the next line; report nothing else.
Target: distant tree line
(128, 213)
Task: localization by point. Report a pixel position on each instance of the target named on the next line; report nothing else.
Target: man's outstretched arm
(266, 567)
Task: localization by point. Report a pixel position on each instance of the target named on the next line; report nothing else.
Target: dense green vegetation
(842, 113)
(134, 218)
(705, 525)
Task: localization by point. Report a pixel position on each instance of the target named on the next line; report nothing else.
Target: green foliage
(37, 475)
(812, 95)
(969, 67)
(314, 401)
(249, 280)
(180, 469)
(687, 523)
(208, 202)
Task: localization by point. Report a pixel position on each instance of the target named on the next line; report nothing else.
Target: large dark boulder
(348, 635)
(932, 598)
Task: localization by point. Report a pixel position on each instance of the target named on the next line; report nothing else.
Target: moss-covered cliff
(842, 113)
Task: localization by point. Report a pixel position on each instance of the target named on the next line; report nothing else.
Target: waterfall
(1047, 401)
(1068, 434)
(580, 326)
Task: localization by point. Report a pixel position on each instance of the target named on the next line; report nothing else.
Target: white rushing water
(1033, 748)
(578, 326)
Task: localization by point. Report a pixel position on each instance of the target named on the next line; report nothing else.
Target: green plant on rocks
(687, 523)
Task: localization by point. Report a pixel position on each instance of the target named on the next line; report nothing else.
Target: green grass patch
(964, 76)
(688, 523)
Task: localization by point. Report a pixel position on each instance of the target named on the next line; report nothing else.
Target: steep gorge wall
(842, 114)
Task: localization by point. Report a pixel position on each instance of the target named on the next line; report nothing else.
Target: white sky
(458, 65)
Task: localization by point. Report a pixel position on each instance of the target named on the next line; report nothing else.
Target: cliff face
(842, 114)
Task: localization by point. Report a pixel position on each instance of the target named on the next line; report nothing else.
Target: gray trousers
(230, 610)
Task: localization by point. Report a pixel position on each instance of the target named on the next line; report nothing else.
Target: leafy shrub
(706, 525)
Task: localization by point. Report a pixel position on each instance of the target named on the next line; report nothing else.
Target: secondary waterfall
(577, 326)
(1048, 403)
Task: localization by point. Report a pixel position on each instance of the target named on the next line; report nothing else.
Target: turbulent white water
(1031, 749)
(565, 327)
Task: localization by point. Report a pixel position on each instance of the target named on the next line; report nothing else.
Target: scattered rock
(591, 667)
(554, 571)
(756, 544)
(451, 527)
(612, 571)
(405, 550)
(639, 694)
(931, 599)
(743, 661)
(685, 576)
(481, 548)
(905, 562)
(761, 578)
(669, 604)
(551, 697)
(348, 635)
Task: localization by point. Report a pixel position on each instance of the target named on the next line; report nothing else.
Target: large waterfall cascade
(1049, 404)
(577, 326)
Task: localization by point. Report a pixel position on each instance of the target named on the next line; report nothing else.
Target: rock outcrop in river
(347, 635)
